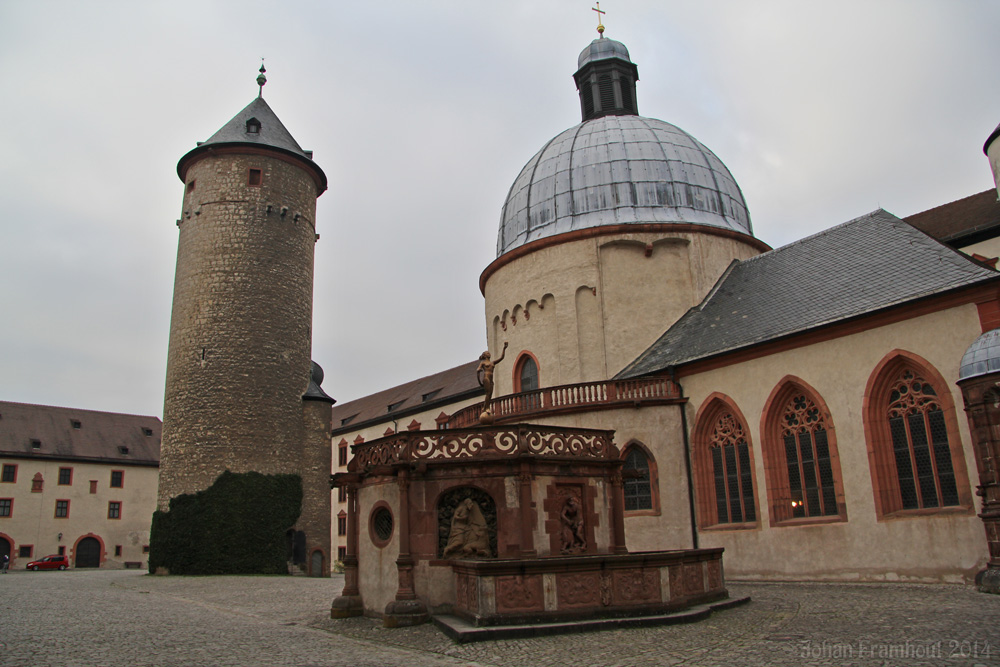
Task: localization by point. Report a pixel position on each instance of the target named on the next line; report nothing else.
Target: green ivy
(239, 525)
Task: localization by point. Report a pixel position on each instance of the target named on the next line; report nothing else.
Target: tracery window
(920, 445)
(914, 444)
(807, 459)
(732, 471)
(801, 462)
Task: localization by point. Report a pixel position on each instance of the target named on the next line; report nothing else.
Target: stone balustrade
(570, 397)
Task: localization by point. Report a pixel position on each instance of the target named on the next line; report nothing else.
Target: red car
(49, 563)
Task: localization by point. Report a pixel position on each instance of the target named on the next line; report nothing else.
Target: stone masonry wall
(316, 464)
(239, 356)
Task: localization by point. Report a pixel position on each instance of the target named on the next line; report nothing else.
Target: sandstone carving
(469, 536)
(573, 540)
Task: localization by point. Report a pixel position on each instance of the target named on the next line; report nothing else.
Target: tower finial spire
(600, 24)
(261, 79)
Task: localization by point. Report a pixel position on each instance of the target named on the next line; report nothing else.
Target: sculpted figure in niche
(484, 373)
(573, 540)
(469, 536)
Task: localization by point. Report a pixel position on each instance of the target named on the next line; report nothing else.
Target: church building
(797, 406)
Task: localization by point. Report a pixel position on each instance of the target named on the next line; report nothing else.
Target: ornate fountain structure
(501, 525)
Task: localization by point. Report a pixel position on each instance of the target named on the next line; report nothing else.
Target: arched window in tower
(526, 380)
(639, 479)
(253, 126)
(800, 456)
(723, 466)
(527, 373)
(913, 442)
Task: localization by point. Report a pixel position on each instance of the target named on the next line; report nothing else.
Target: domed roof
(618, 170)
(602, 49)
(982, 357)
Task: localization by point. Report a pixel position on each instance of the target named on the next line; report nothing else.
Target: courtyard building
(78, 483)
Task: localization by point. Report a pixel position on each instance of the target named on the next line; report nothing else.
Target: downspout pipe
(687, 462)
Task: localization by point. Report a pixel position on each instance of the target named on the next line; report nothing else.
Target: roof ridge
(396, 387)
(951, 203)
(824, 232)
(61, 407)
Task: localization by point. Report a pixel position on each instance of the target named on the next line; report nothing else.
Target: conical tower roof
(271, 131)
(255, 126)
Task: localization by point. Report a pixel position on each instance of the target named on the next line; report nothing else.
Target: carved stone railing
(569, 397)
(484, 443)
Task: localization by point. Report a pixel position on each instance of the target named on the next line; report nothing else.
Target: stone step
(462, 632)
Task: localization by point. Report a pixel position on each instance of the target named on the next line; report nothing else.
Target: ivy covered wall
(239, 525)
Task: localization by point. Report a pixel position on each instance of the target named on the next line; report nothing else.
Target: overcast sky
(422, 114)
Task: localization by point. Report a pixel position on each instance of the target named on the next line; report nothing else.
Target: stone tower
(238, 394)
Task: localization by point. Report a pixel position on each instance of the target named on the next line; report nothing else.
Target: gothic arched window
(800, 456)
(731, 470)
(920, 444)
(913, 443)
(723, 466)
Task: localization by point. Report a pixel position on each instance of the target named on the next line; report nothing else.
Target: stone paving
(125, 618)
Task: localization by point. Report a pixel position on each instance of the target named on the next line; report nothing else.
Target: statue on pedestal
(484, 373)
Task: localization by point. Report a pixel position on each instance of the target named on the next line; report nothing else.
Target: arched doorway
(88, 553)
(316, 567)
(6, 549)
(296, 543)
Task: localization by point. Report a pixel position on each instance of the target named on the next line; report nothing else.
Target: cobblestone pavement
(125, 618)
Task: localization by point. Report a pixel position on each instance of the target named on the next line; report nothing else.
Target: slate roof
(450, 386)
(99, 437)
(962, 222)
(865, 265)
(272, 132)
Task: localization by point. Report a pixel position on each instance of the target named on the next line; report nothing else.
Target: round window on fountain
(380, 525)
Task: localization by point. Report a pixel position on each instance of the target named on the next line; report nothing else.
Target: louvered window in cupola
(607, 92)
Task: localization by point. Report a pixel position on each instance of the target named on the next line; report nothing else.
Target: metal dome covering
(602, 49)
(620, 170)
(982, 357)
